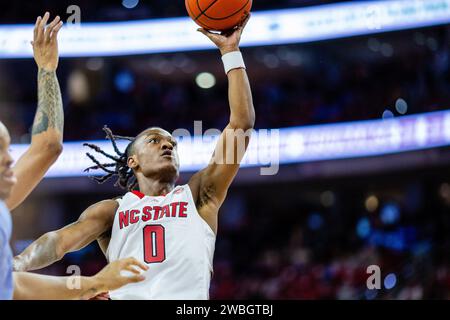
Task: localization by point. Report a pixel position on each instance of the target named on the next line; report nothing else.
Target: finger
(49, 28)
(127, 262)
(140, 265)
(137, 263)
(204, 31)
(228, 33)
(212, 36)
(243, 23)
(55, 31)
(132, 269)
(54, 23)
(136, 279)
(41, 26)
(36, 26)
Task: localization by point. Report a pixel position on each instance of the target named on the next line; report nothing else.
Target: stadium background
(308, 232)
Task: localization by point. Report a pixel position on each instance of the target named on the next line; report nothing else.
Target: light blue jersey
(6, 257)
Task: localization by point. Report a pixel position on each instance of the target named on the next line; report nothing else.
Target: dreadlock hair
(126, 178)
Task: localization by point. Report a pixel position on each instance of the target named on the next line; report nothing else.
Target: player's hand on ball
(112, 276)
(45, 44)
(227, 41)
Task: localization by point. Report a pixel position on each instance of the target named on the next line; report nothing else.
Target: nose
(167, 145)
(8, 159)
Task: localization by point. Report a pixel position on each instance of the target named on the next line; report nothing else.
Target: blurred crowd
(342, 80)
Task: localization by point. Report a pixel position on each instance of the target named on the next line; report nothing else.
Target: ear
(132, 162)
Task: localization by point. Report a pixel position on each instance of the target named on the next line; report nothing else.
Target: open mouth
(167, 153)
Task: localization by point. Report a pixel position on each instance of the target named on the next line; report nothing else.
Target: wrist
(233, 60)
(46, 69)
(228, 49)
(88, 288)
(96, 285)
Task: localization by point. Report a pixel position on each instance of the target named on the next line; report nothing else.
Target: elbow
(244, 123)
(50, 149)
(250, 123)
(54, 149)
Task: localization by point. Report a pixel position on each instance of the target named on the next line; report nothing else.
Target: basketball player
(172, 228)
(23, 285)
(16, 183)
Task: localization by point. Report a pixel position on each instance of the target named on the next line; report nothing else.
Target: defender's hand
(45, 43)
(227, 41)
(111, 277)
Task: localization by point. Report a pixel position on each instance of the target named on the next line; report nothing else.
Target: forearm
(49, 115)
(29, 286)
(40, 254)
(46, 142)
(241, 101)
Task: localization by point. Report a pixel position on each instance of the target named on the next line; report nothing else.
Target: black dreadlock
(126, 178)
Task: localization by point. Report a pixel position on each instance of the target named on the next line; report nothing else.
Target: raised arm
(52, 246)
(211, 184)
(30, 286)
(47, 131)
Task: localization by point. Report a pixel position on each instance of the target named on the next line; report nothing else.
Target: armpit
(206, 195)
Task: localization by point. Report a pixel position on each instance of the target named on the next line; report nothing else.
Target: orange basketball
(218, 15)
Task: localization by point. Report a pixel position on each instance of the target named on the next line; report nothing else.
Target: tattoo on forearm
(50, 112)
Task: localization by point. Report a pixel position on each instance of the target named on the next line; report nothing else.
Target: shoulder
(105, 209)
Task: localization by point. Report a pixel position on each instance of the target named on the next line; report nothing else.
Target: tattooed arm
(47, 131)
(31, 286)
(52, 246)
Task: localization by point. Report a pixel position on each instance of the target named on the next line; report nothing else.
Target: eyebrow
(161, 136)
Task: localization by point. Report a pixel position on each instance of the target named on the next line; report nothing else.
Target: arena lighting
(292, 145)
(265, 28)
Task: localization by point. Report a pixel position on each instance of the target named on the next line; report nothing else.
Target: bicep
(95, 221)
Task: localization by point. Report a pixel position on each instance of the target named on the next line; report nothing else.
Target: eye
(153, 140)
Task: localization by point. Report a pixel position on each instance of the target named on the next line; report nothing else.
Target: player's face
(7, 178)
(156, 154)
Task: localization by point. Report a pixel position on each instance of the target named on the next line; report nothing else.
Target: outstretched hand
(111, 276)
(45, 44)
(227, 41)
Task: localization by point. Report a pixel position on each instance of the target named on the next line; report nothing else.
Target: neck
(153, 188)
